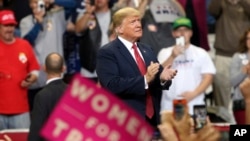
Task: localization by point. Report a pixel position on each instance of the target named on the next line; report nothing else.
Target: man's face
(7, 32)
(130, 28)
(183, 31)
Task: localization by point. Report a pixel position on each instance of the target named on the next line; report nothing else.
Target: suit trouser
(222, 85)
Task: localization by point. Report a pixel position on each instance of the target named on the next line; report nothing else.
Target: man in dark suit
(47, 98)
(119, 67)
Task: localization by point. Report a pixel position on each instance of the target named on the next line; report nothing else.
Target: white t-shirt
(190, 65)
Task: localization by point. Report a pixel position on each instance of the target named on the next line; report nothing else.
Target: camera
(40, 5)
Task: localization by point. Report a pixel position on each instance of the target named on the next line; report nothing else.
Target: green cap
(183, 21)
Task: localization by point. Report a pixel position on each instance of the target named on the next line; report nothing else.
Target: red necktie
(142, 67)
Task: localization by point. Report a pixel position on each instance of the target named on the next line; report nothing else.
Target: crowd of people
(121, 46)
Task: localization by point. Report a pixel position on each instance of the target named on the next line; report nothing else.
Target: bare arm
(206, 81)
(201, 88)
(245, 90)
(143, 6)
(179, 6)
(82, 21)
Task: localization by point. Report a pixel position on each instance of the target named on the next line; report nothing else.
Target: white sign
(165, 10)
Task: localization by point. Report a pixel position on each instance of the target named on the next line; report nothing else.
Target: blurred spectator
(92, 25)
(20, 8)
(157, 34)
(44, 29)
(181, 130)
(18, 70)
(194, 65)
(238, 72)
(245, 90)
(232, 19)
(196, 11)
(47, 98)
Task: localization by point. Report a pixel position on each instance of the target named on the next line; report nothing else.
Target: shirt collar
(127, 44)
(52, 79)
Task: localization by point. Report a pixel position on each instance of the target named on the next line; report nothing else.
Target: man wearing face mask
(44, 29)
(194, 65)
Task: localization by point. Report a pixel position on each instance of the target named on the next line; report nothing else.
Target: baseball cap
(7, 17)
(183, 21)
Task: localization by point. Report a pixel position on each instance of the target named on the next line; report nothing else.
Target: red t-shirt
(16, 61)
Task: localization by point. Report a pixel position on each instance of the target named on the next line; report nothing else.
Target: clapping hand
(168, 73)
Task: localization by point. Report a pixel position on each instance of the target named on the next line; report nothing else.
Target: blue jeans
(14, 121)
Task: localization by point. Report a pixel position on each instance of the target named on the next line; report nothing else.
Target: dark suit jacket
(118, 72)
(44, 103)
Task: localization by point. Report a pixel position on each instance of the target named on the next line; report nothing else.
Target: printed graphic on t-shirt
(22, 57)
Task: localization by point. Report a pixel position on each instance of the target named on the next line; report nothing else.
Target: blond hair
(123, 13)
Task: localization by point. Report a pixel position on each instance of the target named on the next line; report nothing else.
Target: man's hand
(207, 133)
(168, 73)
(152, 70)
(30, 79)
(188, 95)
(177, 50)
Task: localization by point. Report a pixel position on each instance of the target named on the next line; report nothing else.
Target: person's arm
(179, 6)
(83, 18)
(245, 90)
(120, 4)
(200, 89)
(215, 8)
(166, 57)
(143, 6)
(33, 33)
(236, 73)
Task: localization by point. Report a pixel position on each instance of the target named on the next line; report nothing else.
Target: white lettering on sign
(117, 113)
(60, 126)
(74, 135)
(143, 135)
(81, 91)
(7, 17)
(102, 130)
(100, 103)
(132, 126)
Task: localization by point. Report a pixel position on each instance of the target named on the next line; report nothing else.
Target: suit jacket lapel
(126, 54)
(145, 53)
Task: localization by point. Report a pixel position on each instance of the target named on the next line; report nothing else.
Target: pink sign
(89, 113)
